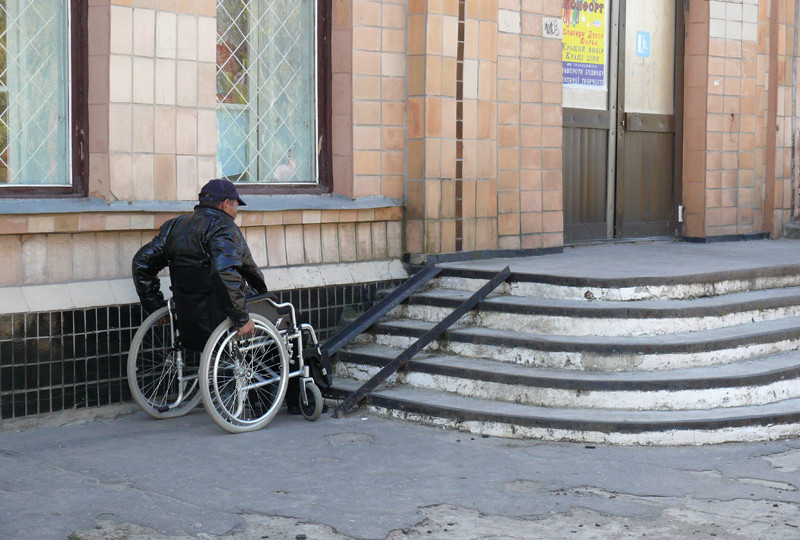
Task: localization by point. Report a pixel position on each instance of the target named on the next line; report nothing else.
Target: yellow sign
(583, 43)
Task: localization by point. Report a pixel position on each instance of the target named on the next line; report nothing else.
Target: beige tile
(392, 113)
(120, 89)
(393, 88)
(165, 130)
(206, 85)
(366, 63)
(366, 186)
(59, 258)
(366, 13)
(367, 138)
(295, 253)
(34, 259)
(363, 241)
(393, 15)
(207, 39)
(330, 242)
(366, 112)
(121, 30)
(487, 80)
(394, 238)
(187, 182)
(257, 241)
(10, 270)
(186, 87)
(276, 246)
(347, 241)
(144, 32)
(143, 128)
(433, 75)
(366, 88)
(121, 176)
(166, 35)
(84, 252)
(393, 40)
(165, 177)
(380, 248)
(207, 132)
(186, 131)
(449, 36)
(392, 163)
(312, 243)
(143, 177)
(165, 81)
(487, 49)
(367, 38)
(187, 37)
(143, 80)
(393, 64)
(108, 255)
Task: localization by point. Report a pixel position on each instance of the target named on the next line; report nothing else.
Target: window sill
(255, 203)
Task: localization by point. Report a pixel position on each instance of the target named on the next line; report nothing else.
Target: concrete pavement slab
(368, 477)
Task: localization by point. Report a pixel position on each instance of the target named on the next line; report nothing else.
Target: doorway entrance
(622, 111)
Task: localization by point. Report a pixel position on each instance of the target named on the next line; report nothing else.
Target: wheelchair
(242, 380)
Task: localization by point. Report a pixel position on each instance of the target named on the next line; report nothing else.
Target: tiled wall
(483, 127)
(62, 360)
(40, 249)
(369, 84)
(726, 95)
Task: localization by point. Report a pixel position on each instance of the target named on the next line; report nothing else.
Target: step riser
(645, 292)
(648, 438)
(592, 326)
(661, 400)
(590, 361)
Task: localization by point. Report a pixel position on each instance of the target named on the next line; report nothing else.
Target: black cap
(220, 189)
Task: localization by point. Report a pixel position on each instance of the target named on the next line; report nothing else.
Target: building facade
(360, 132)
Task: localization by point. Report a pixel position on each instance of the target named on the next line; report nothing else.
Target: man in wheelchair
(210, 266)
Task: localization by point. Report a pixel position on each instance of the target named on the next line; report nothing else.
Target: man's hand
(247, 328)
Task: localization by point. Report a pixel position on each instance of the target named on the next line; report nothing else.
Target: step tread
(788, 326)
(552, 416)
(620, 275)
(708, 306)
(772, 367)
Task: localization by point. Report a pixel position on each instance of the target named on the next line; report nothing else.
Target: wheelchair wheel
(244, 379)
(313, 410)
(163, 379)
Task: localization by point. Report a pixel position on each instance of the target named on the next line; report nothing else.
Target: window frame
(79, 116)
(324, 124)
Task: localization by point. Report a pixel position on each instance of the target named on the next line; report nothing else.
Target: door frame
(609, 120)
(618, 117)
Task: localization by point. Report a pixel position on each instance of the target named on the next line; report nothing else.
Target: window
(268, 82)
(39, 53)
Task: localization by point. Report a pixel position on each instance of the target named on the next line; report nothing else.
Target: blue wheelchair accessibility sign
(642, 43)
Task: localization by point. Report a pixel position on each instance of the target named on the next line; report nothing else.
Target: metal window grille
(34, 92)
(266, 91)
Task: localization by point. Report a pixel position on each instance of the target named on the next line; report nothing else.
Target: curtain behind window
(266, 91)
(34, 92)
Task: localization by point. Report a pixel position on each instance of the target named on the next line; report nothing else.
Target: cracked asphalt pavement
(365, 477)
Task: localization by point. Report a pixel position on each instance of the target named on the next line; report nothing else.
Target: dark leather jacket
(210, 268)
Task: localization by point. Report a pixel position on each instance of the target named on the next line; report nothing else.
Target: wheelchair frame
(165, 386)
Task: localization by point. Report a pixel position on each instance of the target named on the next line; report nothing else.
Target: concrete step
(606, 318)
(761, 380)
(604, 353)
(663, 287)
(499, 418)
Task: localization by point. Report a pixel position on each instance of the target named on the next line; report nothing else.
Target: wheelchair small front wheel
(313, 409)
(244, 379)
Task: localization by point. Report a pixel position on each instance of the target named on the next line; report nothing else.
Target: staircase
(696, 359)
